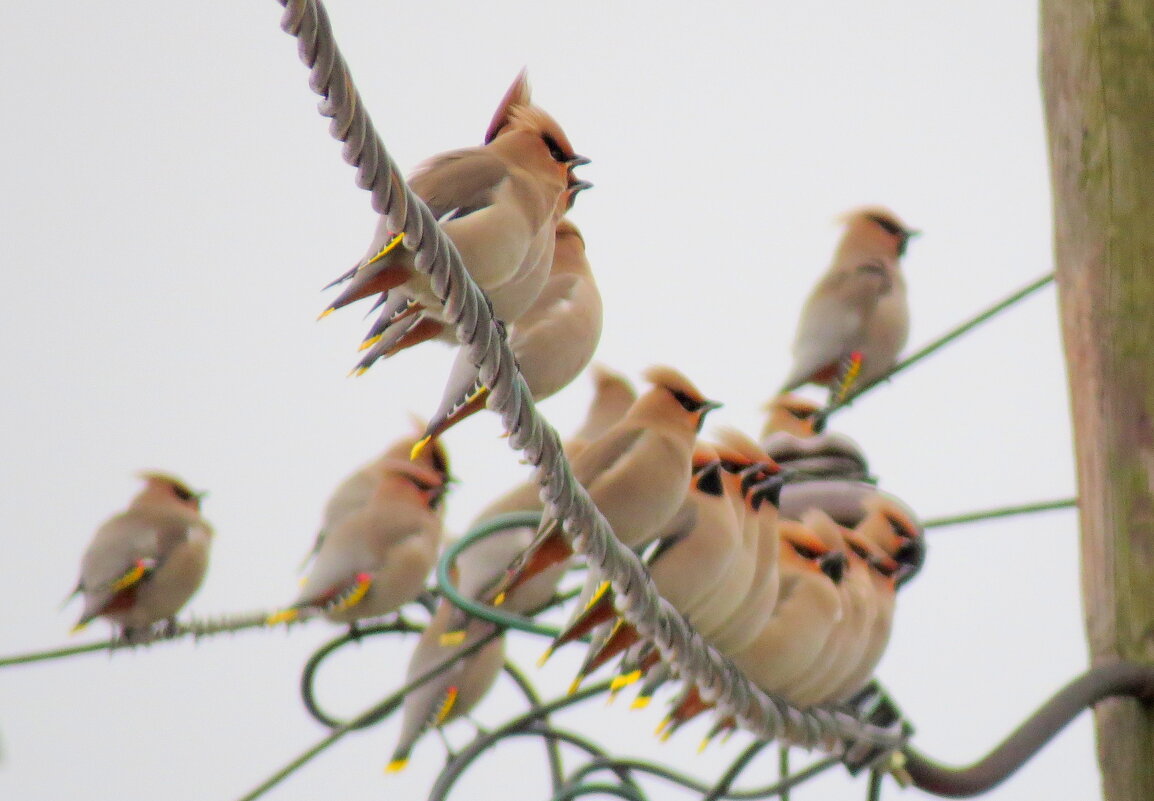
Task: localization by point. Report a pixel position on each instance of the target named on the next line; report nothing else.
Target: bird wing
(458, 183)
(825, 335)
(603, 453)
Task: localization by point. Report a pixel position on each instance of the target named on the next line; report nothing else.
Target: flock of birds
(782, 552)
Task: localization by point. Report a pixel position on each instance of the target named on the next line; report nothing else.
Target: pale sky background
(171, 205)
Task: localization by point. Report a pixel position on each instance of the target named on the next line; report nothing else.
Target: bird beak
(710, 405)
(580, 186)
(577, 161)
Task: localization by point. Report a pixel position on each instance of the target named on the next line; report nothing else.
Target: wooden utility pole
(1098, 82)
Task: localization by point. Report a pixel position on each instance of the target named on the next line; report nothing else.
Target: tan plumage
(613, 395)
(499, 203)
(452, 693)
(749, 591)
(847, 643)
(858, 307)
(354, 492)
(792, 414)
(144, 564)
(883, 572)
(809, 606)
(637, 472)
(378, 556)
(553, 340)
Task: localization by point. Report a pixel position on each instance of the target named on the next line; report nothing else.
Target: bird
(145, 563)
(499, 203)
(484, 564)
(690, 554)
(354, 492)
(637, 473)
(883, 571)
(553, 341)
(808, 608)
(791, 414)
(849, 638)
(378, 556)
(856, 320)
(404, 322)
(452, 693)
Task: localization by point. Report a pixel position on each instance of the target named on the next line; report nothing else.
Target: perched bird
(354, 492)
(637, 473)
(452, 693)
(791, 414)
(849, 638)
(403, 322)
(377, 557)
(483, 566)
(760, 596)
(499, 203)
(690, 556)
(856, 320)
(809, 606)
(144, 564)
(883, 571)
(553, 340)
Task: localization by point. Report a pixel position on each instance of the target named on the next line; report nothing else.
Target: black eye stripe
(890, 226)
(554, 148)
(687, 403)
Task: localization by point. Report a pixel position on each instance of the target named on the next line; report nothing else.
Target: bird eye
(900, 529)
(800, 414)
(890, 226)
(805, 551)
(183, 493)
(554, 149)
(687, 403)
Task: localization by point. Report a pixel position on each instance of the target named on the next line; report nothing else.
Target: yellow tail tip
(79, 627)
(545, 657)
(620, 682)
(396, 766)
(325, 313)
(500, 599)
(451, 638)
(419, 448)
(283, 616)
(575, 685)
(368, 343)
(392, 243)
(662, 726)
(602, 588)
(479, 393)
(703, 745)
(665, 735)
(640, 702)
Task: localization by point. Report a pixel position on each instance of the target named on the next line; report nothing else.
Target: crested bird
(637, 473)
(499, 203)
(378, 556)
(553, 341)
(856, 320)
(145, 563)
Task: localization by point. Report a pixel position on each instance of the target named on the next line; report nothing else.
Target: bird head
(791, 413)
(675, 398)
(529, 135)
(878, 224)
(159, 485)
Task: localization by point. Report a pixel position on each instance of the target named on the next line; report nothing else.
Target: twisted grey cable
(469, 310)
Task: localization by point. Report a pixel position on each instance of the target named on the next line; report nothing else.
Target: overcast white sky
(172, 204)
